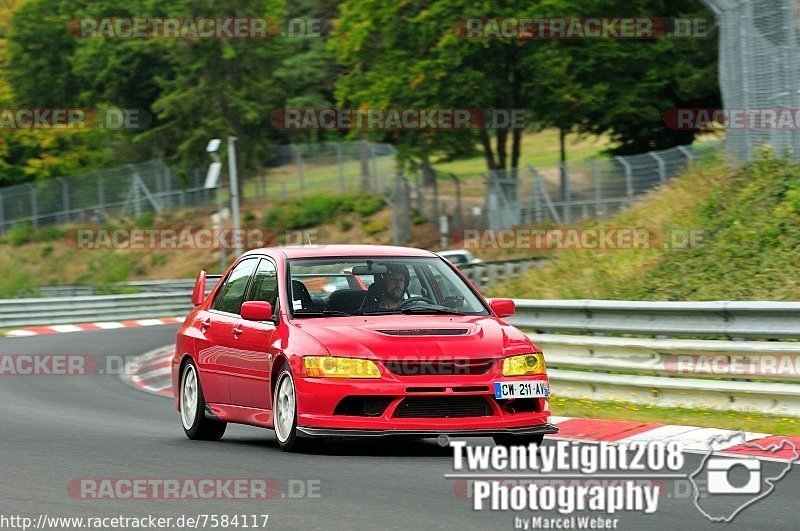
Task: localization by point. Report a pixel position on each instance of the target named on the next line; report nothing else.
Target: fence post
(34, 206)
(2, 216)
(599, 206)
(458, 219)
(298, 159)
(662, 168)
(566, 193)
(537, 198)
(101, 195)
(686, 153)
(64, 199)
(628, 175)
(340, 165)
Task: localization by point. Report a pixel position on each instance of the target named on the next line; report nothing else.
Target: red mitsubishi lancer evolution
(356, 341)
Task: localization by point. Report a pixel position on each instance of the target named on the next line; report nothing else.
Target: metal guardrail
(486, 273)
(600, 367)
(769, 320)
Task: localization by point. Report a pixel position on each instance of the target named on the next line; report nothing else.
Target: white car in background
(459, 257)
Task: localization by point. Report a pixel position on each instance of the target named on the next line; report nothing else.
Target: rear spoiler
(202, 287)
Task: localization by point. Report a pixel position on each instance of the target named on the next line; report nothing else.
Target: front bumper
(318, 398)
(544, 429)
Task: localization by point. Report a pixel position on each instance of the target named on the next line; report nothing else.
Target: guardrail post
(686, 153)
(628, 175)
(662, 167)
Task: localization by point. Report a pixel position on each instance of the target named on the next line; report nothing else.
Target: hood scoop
(425, 332)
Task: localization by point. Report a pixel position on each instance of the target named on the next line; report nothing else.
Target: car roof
(331, 251)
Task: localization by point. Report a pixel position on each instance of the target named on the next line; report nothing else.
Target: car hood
(418, 337)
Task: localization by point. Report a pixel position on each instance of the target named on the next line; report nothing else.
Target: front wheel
(284, 408)
(518, 440)
(192, 407)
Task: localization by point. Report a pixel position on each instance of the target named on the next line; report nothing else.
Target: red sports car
(418, 353)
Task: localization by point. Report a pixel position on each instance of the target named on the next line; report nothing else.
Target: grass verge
(706, 418)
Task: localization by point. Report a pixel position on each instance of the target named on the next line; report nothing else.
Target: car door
(251, 343)
(214, 358)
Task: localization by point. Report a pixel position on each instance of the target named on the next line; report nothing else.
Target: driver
(389, 289)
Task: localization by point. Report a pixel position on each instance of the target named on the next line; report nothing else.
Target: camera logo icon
(720, 470)
(724, 486)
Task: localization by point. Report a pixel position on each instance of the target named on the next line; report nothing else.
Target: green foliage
(15, 282)
(345, 224)
(20, 234)
(317, 209)
(747, 243)
(108, 268)
(49, 233)
(375, 226)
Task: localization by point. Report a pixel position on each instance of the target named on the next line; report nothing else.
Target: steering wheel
(410, 302)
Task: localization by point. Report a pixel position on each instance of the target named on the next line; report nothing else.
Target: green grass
(749, 227)
(732, 420)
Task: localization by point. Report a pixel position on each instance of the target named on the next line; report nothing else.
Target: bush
(49, 233)
(375, 226)
(20, 234)
(345, 224)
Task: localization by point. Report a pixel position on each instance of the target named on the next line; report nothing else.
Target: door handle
(205, 323)
(237, 331)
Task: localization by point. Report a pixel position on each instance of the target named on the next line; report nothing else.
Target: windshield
(378, 286)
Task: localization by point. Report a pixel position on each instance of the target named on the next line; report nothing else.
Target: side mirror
(256, 311)
(199, 293)
(503, 307)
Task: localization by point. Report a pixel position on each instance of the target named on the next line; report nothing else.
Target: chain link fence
(133, 190)
(594, 188)
(124, 191)
(327, 167)
(759, 69)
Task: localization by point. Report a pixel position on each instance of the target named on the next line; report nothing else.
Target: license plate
(521, 389)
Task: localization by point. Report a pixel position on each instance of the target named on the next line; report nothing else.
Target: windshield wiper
(429, 309)
(322, 313)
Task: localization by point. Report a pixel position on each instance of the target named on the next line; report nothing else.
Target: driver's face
(395, 282)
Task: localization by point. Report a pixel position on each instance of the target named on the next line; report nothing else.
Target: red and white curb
(88, 327)
(151, 372)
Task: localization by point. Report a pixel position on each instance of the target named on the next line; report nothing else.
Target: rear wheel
(284, 411)
(518, 440)
(192, 407)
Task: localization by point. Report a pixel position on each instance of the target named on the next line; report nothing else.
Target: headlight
(329, 367)
(523, 365)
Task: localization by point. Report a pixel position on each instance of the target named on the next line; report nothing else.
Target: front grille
(448, 407)
(439, 367)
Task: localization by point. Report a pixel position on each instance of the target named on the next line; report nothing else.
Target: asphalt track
(58, 429)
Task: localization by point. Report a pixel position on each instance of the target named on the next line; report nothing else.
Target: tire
(284, 407)
(195, 424)
(518, 440)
